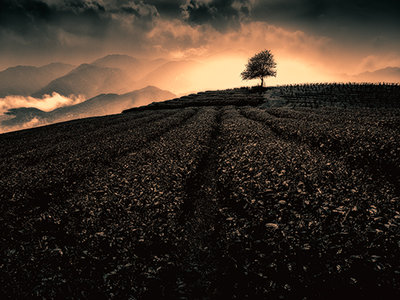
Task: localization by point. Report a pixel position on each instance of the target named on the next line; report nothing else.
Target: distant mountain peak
(123, 62)
(88, 80)
(387, 74)
(386, 69)
(114, 55)
(20, 67)
(84, 66)
(24, 80)
(150, 87)
(114, 59)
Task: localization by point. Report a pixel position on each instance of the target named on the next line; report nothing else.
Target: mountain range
(110, 84)
(104, 104)
(110, 74)
(136, 67)
(26, 80)
(88, 80)
(389, 74)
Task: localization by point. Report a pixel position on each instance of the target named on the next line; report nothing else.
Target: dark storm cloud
(31, 16)
(169, 9)
(27, 21)
(26, 15)
(338, 17)
(53, 23)
(221, 14)
(318, 16)
(56, 29)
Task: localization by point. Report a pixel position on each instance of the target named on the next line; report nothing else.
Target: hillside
(389, 74)
(89, 81)
(239, 97)
(123, 62)
(104, 104)
(111, 74)
(118, 74)
(336, 95)
(136, 68)
(172, 75)
(25, 80)
(205, 202)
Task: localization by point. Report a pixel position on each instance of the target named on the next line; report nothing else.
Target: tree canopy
(259, 66)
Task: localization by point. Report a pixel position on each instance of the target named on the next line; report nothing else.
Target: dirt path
(202, 223)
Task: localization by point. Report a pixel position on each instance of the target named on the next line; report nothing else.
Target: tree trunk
(262, 81)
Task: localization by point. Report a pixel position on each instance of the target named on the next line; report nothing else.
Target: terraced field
(204, 202)
(344, 95)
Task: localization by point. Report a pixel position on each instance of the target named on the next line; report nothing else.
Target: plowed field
(204, 202)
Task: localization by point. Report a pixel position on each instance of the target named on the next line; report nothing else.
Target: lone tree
(259, 66)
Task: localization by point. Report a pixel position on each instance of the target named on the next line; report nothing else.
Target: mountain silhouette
(103, 104)
(134, 67)
(123, 62)
(114, 73)
(25, 80)
(173, 75)
(88, 80)
(389, 74)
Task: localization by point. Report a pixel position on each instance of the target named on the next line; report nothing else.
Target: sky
(316, 39)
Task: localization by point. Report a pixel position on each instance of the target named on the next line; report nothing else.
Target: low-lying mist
(19, 112)
(47, 103)
(35, 122)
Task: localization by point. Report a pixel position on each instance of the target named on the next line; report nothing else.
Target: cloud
(47, 103)
(35, 122)
(339, 19)
(39, 28)
(221, 14)
(375, 62)
(223, 55)
(202, 40)
(333, 33)
(168, 9)
(39, 22)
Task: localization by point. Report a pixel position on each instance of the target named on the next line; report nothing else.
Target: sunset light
(200, 149)
(77, 50)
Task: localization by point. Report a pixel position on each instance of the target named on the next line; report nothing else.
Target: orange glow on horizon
(223, 72)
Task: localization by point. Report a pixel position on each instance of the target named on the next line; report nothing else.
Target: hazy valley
(105, 86)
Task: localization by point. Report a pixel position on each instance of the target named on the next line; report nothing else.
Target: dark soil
(204, 202)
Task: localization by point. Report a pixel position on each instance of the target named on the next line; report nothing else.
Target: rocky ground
(204, 202)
